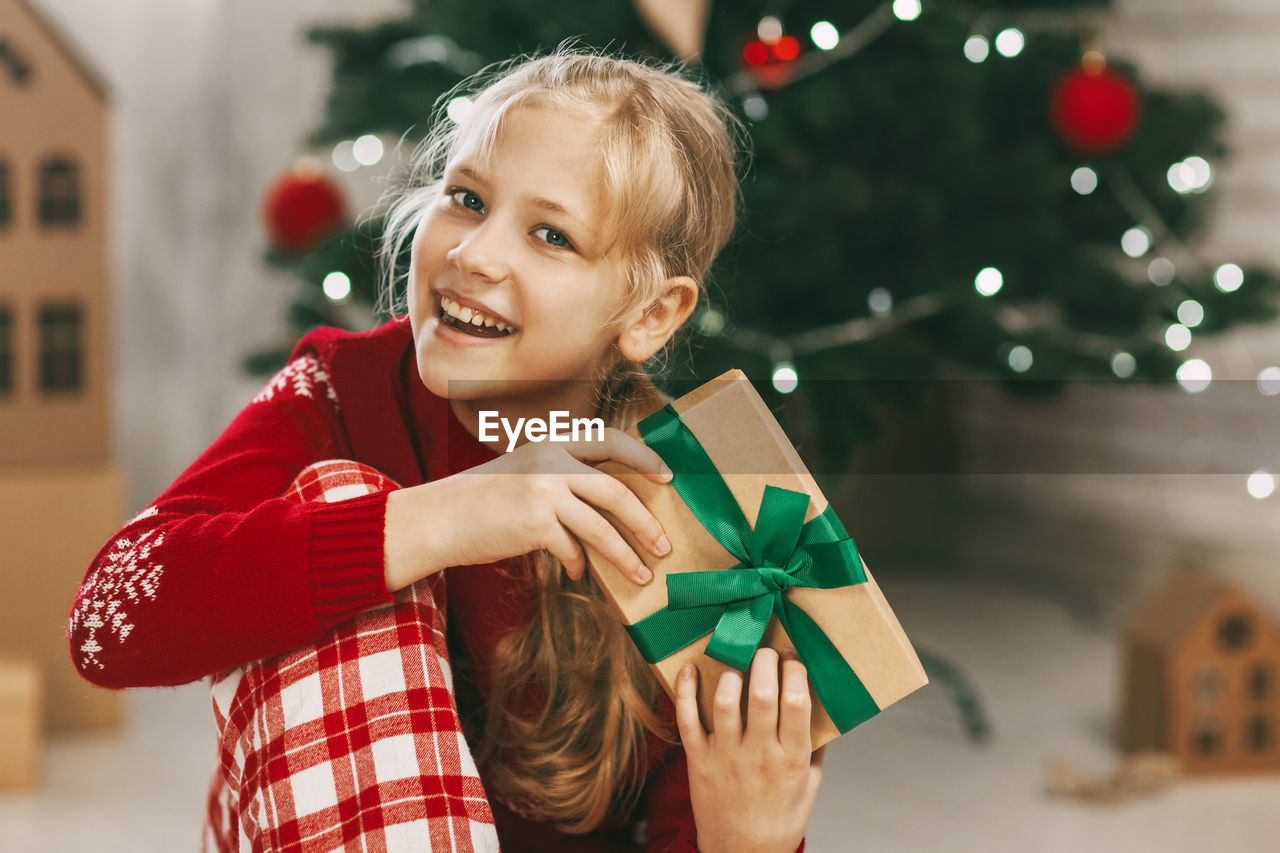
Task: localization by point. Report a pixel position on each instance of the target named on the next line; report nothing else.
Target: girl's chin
(436, 343)
(454, 385)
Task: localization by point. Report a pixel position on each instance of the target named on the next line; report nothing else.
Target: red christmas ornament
(1095, 111)
(301, 208)
(771, 63)
(755, 53)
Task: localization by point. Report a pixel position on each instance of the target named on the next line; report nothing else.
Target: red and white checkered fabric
(354, 743)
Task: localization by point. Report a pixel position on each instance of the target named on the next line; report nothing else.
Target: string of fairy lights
(988, 40)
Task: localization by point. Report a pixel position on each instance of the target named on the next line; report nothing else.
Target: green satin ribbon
(735, 605)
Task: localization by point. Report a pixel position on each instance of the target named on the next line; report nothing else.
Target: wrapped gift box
(871, 663)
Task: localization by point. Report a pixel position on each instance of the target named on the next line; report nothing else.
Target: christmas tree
(934, 183)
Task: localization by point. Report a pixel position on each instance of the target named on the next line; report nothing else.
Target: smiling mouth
(470, 322)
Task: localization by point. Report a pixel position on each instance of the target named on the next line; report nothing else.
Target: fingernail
(644, 574)
(664, 546)
(686, 672)
(666, 473)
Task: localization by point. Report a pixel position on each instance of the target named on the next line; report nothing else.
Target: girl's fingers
(687, 721)
(620, 447)
(590, 528)
(569, 552)
(762, 696)
(611, 495)
(795, 707)
(726, 713)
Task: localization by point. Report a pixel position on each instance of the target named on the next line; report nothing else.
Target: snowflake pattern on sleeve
(303, 376)
(127, 574)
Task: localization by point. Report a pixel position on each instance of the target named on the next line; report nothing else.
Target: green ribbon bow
(736, 604)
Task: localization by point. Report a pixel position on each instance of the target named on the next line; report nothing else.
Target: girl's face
(516, 239)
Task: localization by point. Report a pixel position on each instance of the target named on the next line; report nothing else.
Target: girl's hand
(539, 496)
(752, 787)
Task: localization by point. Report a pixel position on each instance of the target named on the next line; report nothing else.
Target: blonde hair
(669, 152)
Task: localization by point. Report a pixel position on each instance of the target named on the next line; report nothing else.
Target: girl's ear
(649, 328)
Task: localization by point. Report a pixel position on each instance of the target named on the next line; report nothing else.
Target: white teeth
(466, 314)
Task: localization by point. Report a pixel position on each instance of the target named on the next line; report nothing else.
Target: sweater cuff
(348, 573)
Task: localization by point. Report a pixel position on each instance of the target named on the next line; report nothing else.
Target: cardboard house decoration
(61, 496)
(1201, 662)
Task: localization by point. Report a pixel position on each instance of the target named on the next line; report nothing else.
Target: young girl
(558, 236)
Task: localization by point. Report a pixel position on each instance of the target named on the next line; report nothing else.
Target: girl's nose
(480, 253)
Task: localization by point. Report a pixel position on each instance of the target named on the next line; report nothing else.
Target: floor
(908, 780)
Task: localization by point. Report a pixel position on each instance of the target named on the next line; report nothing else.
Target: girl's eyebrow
(546, 204)
(467, 172)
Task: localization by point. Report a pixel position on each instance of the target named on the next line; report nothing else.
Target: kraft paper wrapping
(740, 434)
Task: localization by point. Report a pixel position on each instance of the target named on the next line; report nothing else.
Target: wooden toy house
(61, 496)
(1201, 659)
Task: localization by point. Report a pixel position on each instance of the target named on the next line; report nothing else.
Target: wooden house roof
(68, 48)
(1182, 601)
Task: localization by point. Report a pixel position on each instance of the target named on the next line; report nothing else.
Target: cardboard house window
(1235, 632)
(1258, 734)
(59, 192)
(1206, 739)
(18, 70)
(61, 348)
(6, 351)
(1260, 682)
(6, 202)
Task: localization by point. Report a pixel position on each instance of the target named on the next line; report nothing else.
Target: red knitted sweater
(221, 570)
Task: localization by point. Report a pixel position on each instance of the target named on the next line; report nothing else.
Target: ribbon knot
(774, 578)
(736, 605)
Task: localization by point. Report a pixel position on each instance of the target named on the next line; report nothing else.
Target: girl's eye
(467, 199)
(552, 237)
